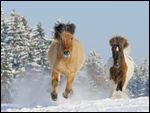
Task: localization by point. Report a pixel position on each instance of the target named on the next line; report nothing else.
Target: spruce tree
(139, 84)
(20, 33)
(95, 70)
(41, 45)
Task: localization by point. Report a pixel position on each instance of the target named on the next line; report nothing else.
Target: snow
(106, 105)
(36, 97)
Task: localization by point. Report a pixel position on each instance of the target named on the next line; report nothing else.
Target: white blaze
(117, 49)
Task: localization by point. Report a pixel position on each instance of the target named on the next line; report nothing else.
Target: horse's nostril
(117, 65)
(66, 52)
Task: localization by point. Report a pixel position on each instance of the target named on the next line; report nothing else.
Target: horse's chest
(117, 73)
(65, 67)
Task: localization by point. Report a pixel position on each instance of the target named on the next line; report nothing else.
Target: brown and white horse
(121, 66)
(65, 56)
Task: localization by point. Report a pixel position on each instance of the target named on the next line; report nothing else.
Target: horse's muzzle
(66, 54)
(117, 65)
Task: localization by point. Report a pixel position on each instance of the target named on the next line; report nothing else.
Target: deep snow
(115, 105)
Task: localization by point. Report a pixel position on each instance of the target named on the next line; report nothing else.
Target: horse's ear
(70, 28)
(111, 42)
(59, 28)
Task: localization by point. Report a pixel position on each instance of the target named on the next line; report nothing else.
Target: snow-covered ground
(32, 93)
(115, 105)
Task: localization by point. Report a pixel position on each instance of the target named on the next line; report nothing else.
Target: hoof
(66, 95)
(54, 96)
(118, 95)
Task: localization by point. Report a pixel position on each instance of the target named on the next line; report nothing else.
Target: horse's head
(66, 39)
(118, 44)
(64, 33)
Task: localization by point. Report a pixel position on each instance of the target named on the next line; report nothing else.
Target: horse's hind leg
(68, 89)
(55, 80)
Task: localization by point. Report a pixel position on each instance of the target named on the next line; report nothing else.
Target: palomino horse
(65, 56)
(121, 66)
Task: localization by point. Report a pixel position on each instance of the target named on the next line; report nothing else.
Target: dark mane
(61, 27)
(70, 28)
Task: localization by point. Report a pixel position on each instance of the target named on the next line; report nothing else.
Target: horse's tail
(61, 27)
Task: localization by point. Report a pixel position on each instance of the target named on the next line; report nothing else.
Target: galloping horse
(121, 66)
(65, 56)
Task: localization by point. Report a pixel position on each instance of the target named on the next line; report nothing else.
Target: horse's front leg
(55, 80)
(68, 90)
(120, 85)
(114, 86)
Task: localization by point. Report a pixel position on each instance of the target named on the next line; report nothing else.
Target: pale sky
(96, 22)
